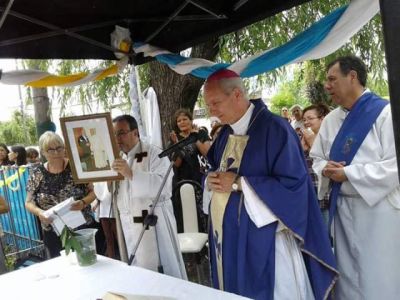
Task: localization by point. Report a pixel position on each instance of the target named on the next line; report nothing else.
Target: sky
(10, 99)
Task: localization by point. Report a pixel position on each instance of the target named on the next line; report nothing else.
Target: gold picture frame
(91, 147)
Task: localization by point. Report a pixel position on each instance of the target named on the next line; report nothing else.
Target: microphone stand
(151, 219)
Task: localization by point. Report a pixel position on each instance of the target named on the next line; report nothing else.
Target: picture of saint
(101, 160)
(91, 147)
(84, 151)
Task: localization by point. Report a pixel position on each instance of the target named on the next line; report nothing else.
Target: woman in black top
(189, 164)
(187, 160)
(52, 183)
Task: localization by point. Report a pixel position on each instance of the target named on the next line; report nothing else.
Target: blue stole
(351, 135)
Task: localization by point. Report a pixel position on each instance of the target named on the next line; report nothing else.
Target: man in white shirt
(143, 173)
(354, 157)
(297, 118)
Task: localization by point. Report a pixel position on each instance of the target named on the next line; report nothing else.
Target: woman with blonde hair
(52, 183)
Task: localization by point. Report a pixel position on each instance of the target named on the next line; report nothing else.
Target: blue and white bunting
(319, 40)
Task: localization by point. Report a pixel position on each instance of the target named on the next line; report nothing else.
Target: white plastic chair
(191, 240)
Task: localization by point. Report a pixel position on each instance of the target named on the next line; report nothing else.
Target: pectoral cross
(139, 156)
(141, 219)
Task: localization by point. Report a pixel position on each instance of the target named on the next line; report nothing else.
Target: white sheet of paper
(63, 215)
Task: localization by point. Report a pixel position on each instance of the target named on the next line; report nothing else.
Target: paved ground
(197, 268)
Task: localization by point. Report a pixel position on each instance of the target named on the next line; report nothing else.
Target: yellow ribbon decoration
(9, 180)
(53, 80)
(112, 70)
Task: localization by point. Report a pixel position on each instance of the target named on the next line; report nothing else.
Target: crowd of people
(18, 156)
(305, 205)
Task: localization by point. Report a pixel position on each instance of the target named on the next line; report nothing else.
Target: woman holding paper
(52, 183)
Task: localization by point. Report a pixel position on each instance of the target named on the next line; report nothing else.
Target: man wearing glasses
(285, 114)
(143, 173)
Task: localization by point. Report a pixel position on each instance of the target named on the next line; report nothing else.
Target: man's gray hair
(227, 85)
(296, 106)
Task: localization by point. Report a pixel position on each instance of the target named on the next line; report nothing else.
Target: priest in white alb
(355, 159)
(143, 173)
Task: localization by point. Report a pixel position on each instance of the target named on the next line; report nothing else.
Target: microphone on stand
(192, 138)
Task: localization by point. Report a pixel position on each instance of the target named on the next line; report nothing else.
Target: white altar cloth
(57, 279)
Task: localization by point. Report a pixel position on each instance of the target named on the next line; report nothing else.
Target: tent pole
(5, 12)
(390, 13)
(167, 21)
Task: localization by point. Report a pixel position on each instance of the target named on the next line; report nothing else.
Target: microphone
(192, 138)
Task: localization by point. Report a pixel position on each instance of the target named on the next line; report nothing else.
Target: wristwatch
(235, 185)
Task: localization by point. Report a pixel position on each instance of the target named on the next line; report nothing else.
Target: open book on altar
(63, 215)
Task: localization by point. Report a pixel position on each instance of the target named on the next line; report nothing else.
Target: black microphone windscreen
(192, 138)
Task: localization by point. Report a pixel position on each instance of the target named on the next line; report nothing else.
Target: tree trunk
(176, 91)
(41, 105)
(316, 93)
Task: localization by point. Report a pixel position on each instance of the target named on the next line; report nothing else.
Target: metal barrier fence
(22, 235)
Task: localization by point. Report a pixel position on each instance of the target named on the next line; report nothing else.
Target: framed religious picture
(91, 147)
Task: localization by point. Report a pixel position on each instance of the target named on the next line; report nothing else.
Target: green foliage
(290, 92)
(69, 241)
(287, 97)
(316, 93)
(20, 130)
(144, 75)
(10, 260)
(378, 86)
(36, 64)
(284, 98)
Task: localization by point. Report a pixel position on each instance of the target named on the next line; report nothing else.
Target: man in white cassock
(143, 173)
(354, 157)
